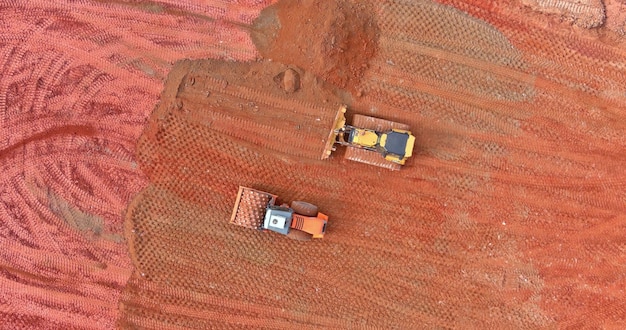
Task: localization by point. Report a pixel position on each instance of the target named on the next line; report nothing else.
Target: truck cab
(284, 219)
(256, 209)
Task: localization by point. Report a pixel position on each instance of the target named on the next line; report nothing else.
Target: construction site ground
(126, 128)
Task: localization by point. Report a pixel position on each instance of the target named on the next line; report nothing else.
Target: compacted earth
(127, 127)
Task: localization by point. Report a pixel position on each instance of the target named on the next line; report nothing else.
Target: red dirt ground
(509, 215)
(335, 39)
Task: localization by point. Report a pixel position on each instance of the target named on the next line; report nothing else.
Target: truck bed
(250, 206)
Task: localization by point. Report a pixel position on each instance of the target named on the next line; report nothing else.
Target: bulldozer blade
(339, 123)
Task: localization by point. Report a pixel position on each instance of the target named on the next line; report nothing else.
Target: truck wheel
(299, 235)
(304, 208)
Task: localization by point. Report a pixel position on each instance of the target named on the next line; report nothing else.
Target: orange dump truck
(257, 209)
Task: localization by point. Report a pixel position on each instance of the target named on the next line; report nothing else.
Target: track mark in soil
(77, 84)
(476, 82)
(90, 225)
(583, 13)
(267, 101)
(71, 130)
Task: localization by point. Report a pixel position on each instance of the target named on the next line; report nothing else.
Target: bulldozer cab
(399, 143)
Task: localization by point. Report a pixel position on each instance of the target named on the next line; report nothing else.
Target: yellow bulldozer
(371, 140)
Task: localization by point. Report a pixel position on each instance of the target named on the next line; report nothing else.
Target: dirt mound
(333, 39)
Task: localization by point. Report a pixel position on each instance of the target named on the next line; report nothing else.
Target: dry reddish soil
(509, 215)
(334, 39)
(77, 83)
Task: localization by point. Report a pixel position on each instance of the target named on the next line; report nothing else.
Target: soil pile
(332, 39)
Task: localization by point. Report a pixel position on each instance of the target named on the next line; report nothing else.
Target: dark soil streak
(73, 130)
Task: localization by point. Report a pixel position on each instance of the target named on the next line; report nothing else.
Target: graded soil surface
(127, 128)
